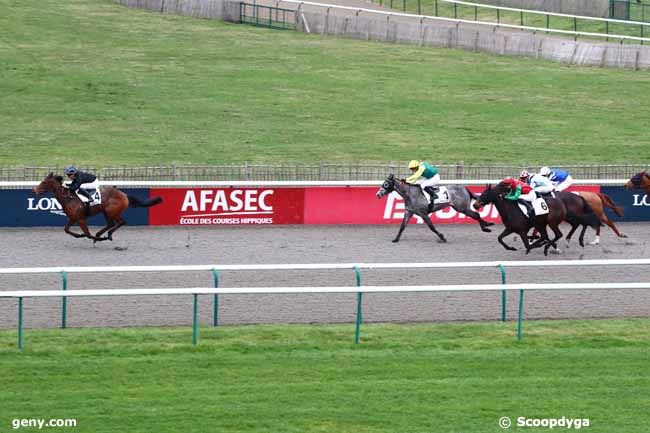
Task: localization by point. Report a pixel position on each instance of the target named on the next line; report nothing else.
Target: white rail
(289, 183)
(553, 14)
(322, 289)
(457, 20)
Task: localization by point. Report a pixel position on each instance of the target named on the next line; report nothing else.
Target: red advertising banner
(227, 206)
(310, 205)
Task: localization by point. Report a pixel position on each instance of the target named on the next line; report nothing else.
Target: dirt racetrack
(311, 244)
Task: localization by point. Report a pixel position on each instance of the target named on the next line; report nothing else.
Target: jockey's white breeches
(530, 197)
(544, 189)
(424, 182)
(564, 184)
(92, 185)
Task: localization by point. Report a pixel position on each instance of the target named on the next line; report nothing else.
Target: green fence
(629, 10)
(267, 16)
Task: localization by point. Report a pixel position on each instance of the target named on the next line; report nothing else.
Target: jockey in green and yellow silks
(425, 175)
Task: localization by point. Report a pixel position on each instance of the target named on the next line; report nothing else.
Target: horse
(515, 221)
(579, 213)
(114, 203)
(639, 181)
(598, 201)
(459, 198)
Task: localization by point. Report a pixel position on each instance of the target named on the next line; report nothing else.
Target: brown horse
(639, 181)
(114, 203)
(598, 202)
(515, 221)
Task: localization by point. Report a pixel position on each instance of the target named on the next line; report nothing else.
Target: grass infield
(298, 378)
(95, 83)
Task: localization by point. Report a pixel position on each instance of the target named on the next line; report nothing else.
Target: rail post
(520, 319)
(215, 310)
(195, 325)
(64, 301)
(357, 330)
(503, 293)
(20, 324)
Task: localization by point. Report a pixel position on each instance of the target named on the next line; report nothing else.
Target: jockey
(540, 184)
(561, 179)
(519, 190)
(425, 175)
(81, 183)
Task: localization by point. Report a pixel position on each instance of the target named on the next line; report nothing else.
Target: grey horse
(415, 203)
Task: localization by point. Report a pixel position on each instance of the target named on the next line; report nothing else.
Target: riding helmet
(544, 171)
(71, 170)
(414, 163)
(524, 174)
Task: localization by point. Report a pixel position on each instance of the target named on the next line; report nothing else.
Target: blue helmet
(71, 170)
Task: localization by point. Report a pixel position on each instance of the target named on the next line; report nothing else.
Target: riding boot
(531, 213)
(433, 194)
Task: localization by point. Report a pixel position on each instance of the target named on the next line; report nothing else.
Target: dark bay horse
(460, 199)
(114, 203)
(579, 214)
(515, 221)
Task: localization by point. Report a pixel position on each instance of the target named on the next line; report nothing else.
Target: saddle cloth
(443, 195)
(95, 193)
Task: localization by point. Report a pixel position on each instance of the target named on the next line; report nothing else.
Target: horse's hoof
(596, 242)
(395, 241)
(623, 235)
(513, 249)
(556, 251)
(485, 230)
(442, 240)
(489, 224)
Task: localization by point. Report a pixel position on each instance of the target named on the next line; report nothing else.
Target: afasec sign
(228, 206)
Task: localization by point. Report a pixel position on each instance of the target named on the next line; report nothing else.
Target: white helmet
(544, 171)
(524, 174)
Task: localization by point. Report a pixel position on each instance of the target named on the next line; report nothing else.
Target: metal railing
(629, 10)
(322, 171)
(589, 26)
(267, 16)
(359, 289)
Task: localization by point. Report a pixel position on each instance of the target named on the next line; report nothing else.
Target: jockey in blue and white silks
(561, 179)
(540, 184)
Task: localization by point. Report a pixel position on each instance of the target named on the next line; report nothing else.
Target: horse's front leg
(407, 216)
(573, 229)
(553, 242)
(84, 228)
(70, 232)
(503, 234)
(427, 220)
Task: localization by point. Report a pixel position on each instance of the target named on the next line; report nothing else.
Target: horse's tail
(589, 218)
(138, 202)
(608, 202)
(472, 196)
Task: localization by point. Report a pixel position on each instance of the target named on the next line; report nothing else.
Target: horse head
(387, 187)
(637, 181)
(49, 184)
(488, 196)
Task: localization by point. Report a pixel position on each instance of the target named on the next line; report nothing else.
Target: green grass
(296, 378)
(94, 83)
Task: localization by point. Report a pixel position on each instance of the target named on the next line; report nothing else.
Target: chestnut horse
(639, 181)
(114, 203)
(598, 202)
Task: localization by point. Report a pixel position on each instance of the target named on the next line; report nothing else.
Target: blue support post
(64, 301)
(215, 312)
(357, 331)
(503, 293)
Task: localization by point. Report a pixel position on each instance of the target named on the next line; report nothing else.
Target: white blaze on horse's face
(385, 188)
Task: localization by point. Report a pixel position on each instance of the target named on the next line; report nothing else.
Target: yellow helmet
(414, 163)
